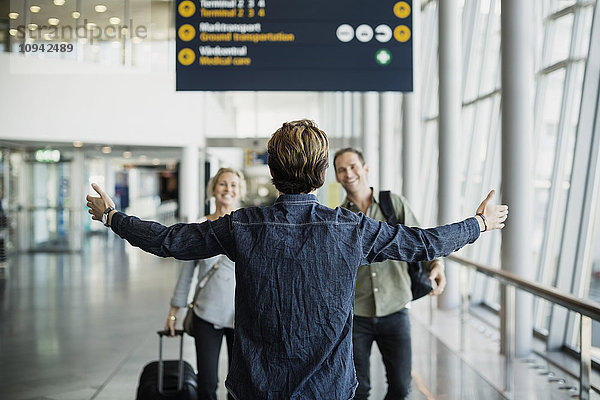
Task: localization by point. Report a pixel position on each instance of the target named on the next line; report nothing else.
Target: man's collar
(297, 198)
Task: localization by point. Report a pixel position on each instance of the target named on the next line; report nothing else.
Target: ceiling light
(114, 20)
(35, 9)
(126, 154)
(78, 144)
(53, 21)
(32, 27)
(90, 26)
(13, 32)
(143, 158)
(76, 14)
(155, 161)
(59, 2)
(106, 149)
(13, 15)
(100, 8)
(48, 36)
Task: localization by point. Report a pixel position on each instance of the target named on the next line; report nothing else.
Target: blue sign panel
(294, 45)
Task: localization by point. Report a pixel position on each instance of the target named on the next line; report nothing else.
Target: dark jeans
(392, 334)
(208, 346)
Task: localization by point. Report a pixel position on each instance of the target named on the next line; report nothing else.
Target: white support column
(450, 110)
(371, 136)
(109, 176)
(338, 116)
(109, 188)
(517, 176)
(189, 184)
(411, 129)
(347, 115)
(77, 201)
(357, 112)
(411, 115)
(389, 164)
(24, 199)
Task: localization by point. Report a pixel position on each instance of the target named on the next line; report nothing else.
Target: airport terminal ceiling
(153, 15)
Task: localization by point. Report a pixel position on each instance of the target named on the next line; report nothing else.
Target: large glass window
(562, 41)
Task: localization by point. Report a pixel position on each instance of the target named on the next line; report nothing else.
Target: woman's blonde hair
(298, 157)
(212, 184)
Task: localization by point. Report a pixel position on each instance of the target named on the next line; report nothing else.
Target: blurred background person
(214, 303)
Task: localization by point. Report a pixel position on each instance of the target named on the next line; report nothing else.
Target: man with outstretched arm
(296, 264)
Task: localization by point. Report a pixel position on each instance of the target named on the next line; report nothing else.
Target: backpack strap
(387, 207)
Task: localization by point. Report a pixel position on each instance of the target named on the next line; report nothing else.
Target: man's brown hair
(348, 150)
(298, 157)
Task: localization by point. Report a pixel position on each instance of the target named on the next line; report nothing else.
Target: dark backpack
(420, 285)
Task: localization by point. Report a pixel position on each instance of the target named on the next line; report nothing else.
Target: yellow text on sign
(242, 61)
(225, 61)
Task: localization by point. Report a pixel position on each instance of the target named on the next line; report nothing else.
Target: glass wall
(562, 32)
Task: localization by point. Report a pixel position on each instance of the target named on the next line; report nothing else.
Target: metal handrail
(588, 310)
(585, 307)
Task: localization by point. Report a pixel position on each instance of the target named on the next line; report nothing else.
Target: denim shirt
(296, 264)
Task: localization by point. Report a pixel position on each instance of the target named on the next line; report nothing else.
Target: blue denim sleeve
(182, 241)
(381, 241)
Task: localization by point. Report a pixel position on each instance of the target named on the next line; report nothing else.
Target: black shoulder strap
(385, 203)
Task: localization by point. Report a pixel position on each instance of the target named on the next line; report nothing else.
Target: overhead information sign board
(294, 45)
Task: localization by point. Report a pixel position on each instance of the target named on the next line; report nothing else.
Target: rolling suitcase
(171, 379)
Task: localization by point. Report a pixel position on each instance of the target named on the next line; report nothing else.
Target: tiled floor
(82, 326)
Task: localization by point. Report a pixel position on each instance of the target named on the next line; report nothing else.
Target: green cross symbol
(383, 57)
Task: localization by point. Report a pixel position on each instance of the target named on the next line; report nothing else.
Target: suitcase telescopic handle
(161, 372)
(166, 332)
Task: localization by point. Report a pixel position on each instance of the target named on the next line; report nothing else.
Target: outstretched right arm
(181, 241)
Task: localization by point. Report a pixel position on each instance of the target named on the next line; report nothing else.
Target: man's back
(295, 269)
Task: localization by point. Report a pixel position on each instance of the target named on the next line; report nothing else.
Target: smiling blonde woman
(213, 306)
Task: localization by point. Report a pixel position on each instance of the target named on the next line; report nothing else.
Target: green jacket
(383, 288)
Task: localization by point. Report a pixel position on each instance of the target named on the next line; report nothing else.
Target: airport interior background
(79, 308)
